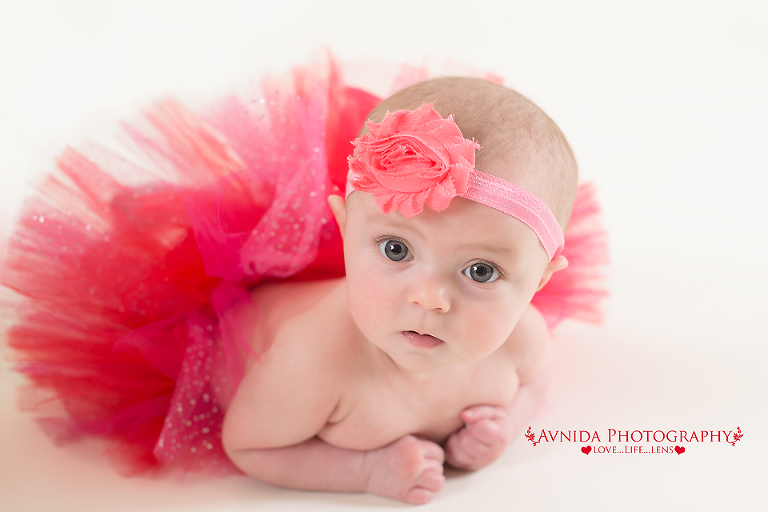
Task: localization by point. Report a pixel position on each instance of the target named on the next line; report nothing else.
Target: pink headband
(413, 158)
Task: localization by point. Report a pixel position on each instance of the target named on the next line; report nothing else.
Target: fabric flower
(412, 158)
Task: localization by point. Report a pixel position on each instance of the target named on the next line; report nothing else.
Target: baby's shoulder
(528, 347)
(298, 321)
(301, 372)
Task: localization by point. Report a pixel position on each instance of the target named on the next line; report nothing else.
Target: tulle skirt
(129, 273)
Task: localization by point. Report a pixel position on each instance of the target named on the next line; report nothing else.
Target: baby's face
(438, 289)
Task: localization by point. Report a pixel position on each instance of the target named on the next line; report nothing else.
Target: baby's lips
(422, 340)
(427, 334)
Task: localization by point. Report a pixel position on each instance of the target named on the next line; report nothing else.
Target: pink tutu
(125, 329)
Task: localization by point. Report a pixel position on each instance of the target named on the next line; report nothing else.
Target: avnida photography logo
(615, 441)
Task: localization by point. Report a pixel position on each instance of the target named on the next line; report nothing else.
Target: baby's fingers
(432, 479)
(433, 451)
(489, 431)
(479, 412)
(474, 444)
(419, 496)
(428, 483)
(463, 450)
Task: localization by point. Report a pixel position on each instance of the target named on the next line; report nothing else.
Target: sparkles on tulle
(125, 330)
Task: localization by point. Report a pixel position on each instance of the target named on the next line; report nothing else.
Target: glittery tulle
(578, 291)
(126, 329)
(130, 274)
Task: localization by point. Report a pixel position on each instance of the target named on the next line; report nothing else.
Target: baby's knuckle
(408, 445)
(493, 430)
(434, 481)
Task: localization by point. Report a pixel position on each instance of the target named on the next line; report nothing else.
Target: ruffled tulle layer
(126, 328)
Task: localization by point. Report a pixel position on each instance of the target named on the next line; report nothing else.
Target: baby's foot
(410, 470)
(486, 433)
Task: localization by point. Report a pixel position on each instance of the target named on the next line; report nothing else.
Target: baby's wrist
(370, 460)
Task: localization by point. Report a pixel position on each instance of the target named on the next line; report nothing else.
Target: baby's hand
(486, 433)
(410, 470)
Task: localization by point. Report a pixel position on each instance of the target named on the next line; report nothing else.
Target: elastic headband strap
(418, 158)
(514, 200)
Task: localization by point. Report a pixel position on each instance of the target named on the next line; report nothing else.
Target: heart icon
(586, 449)
(679, 449)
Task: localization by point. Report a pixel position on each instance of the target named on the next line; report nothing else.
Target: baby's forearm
(529, 399)
(409, 469)
(313, 465)
(488, 429)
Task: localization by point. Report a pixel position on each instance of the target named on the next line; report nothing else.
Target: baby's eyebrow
(501, 250)
(390, 222)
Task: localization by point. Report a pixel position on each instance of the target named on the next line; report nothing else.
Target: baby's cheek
(366, 304)
(492, 327)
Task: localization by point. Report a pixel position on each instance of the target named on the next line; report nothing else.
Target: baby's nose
(430, 292)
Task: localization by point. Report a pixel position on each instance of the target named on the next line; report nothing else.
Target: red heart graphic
(679, 449)
(586, 449)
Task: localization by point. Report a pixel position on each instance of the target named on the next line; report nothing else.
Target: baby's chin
(425, 363)
(412, 360)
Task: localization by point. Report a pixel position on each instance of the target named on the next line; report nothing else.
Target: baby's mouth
(422, 340)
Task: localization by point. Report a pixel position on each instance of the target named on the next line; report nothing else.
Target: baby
(428, 351)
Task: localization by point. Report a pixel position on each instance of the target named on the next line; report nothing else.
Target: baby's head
(518, 141)
(439, 276)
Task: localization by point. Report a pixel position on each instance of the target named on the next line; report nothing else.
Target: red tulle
(128, 288)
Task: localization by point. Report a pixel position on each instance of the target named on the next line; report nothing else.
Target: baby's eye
(482, 273)
(394, 250)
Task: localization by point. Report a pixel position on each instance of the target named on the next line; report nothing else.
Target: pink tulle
(578, 291)
(129, 288)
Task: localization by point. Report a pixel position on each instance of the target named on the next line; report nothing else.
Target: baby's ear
(557, 263)
(339, 209)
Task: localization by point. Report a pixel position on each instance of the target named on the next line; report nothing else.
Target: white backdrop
(664, 103)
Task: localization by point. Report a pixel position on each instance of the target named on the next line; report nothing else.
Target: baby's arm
(489, 429)
(409, 469)
(270, 433)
